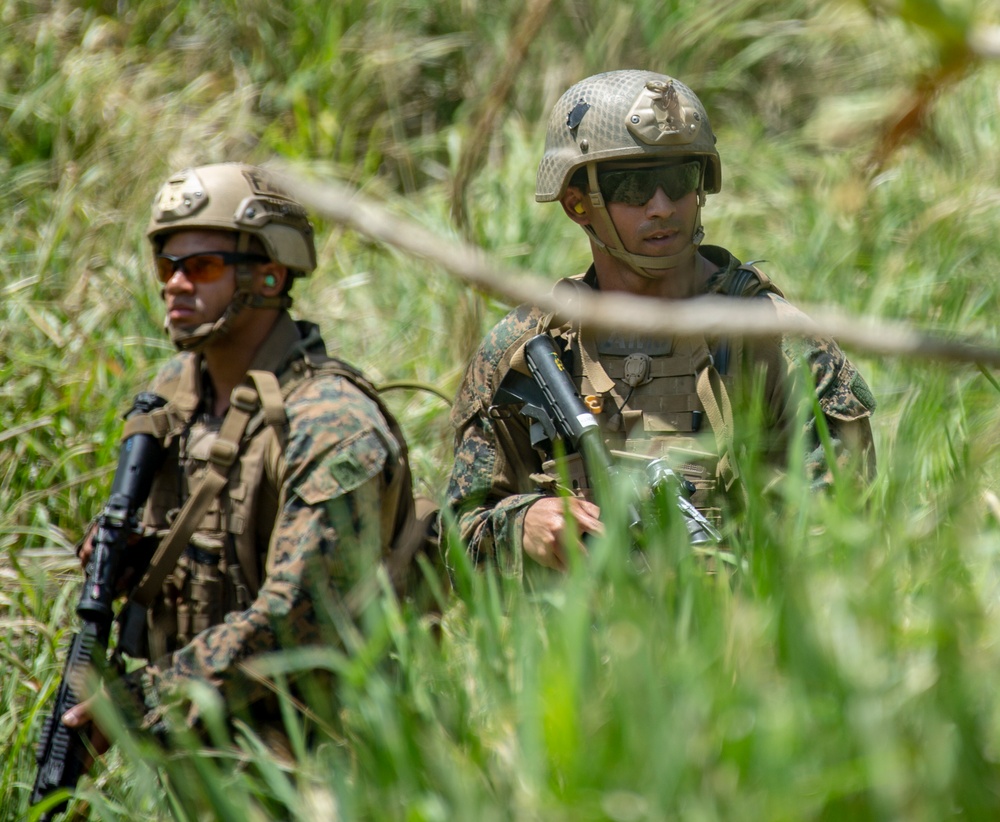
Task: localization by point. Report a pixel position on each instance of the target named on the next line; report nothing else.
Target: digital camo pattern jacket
(491, 483)
(319, 508)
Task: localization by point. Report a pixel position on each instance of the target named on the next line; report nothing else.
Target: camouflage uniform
(496, 472)
(321, 508)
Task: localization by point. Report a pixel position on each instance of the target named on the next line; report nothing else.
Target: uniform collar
(283, 344)
(718, 255)
(273, 354)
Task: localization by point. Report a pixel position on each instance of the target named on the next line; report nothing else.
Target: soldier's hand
(546, 533)
(78, 717)
(85, 550)
(86, 546)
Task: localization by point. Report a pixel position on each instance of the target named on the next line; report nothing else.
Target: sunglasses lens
(205, 268)
(198, 268)
(164, 269)
(637, 186)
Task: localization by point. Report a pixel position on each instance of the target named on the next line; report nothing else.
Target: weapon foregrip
(61, 750)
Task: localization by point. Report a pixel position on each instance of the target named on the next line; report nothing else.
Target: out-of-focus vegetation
(845, 672)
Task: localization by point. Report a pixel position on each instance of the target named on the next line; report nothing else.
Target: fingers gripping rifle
(550, 399)
(62, 751)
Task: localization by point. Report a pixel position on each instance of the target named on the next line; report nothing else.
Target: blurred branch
(960, 48)
(909, 121)
(621, 312)
(483, 124)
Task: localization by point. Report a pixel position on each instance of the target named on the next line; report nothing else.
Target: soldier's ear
(575, 204)
(273, 277)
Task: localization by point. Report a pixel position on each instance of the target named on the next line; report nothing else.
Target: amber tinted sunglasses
(203, 267)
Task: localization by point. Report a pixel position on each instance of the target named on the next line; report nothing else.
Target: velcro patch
(351, 464)
(861, 390)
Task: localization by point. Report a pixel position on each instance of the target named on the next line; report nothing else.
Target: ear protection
(578, 208)
(270, 281)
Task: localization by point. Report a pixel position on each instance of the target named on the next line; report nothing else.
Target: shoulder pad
(748, 280)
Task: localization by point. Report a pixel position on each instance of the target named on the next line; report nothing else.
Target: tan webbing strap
(719, 410)
(243, 404)
(155, 422)
(595, 378)
(566, 290)
(243, 568)
(764, 283)
(593, 372)
(269, 392)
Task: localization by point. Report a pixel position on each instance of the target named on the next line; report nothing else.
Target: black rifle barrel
(574, 421)
(62, 751)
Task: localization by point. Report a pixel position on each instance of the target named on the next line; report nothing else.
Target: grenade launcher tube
(570, 416)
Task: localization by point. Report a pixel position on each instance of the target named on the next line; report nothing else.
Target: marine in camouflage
(333, 488)
(495, 473)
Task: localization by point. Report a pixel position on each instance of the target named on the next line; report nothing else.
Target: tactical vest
(661, 398)
(233, 464)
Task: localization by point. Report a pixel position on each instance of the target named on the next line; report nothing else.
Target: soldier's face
(188, 303)
(657, 228)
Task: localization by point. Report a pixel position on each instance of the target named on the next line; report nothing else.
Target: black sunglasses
(636, 186)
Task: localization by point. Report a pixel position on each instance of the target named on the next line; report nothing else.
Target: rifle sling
(719, 410)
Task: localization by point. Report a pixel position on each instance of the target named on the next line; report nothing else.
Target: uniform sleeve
(327, 533)
(845, 403)
(490, 487)
(487, 493)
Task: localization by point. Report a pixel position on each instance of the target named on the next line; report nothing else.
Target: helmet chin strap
(645, 266)
(198, 338)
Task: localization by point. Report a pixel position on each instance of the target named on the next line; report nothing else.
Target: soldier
(285, 479)
(630, 156)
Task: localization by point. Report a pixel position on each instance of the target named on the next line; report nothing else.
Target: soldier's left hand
(79, 717)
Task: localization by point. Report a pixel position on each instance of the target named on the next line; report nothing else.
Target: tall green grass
(843, 670)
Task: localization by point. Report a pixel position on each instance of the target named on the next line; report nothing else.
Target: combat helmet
(624, 116)
(245, 200)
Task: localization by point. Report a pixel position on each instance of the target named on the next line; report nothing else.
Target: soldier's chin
(182, 331)
(182, 325)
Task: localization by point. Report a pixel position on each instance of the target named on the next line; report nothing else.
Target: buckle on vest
(244, 399)
(223, 452)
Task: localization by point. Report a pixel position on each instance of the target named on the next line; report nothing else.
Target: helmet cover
(239, 198)
(622, 116)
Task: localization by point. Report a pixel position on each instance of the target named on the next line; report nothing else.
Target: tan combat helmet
(623, 116)
(242, 199)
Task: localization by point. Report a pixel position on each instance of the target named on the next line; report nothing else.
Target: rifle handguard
(61, 750)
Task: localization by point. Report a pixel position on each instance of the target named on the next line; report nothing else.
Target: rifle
(550, 400)
(62, 751)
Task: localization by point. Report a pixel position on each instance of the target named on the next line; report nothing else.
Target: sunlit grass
(844, 668)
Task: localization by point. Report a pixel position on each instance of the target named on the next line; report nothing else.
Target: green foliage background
(845, 672)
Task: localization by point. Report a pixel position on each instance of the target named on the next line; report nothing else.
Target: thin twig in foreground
(621, 312)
